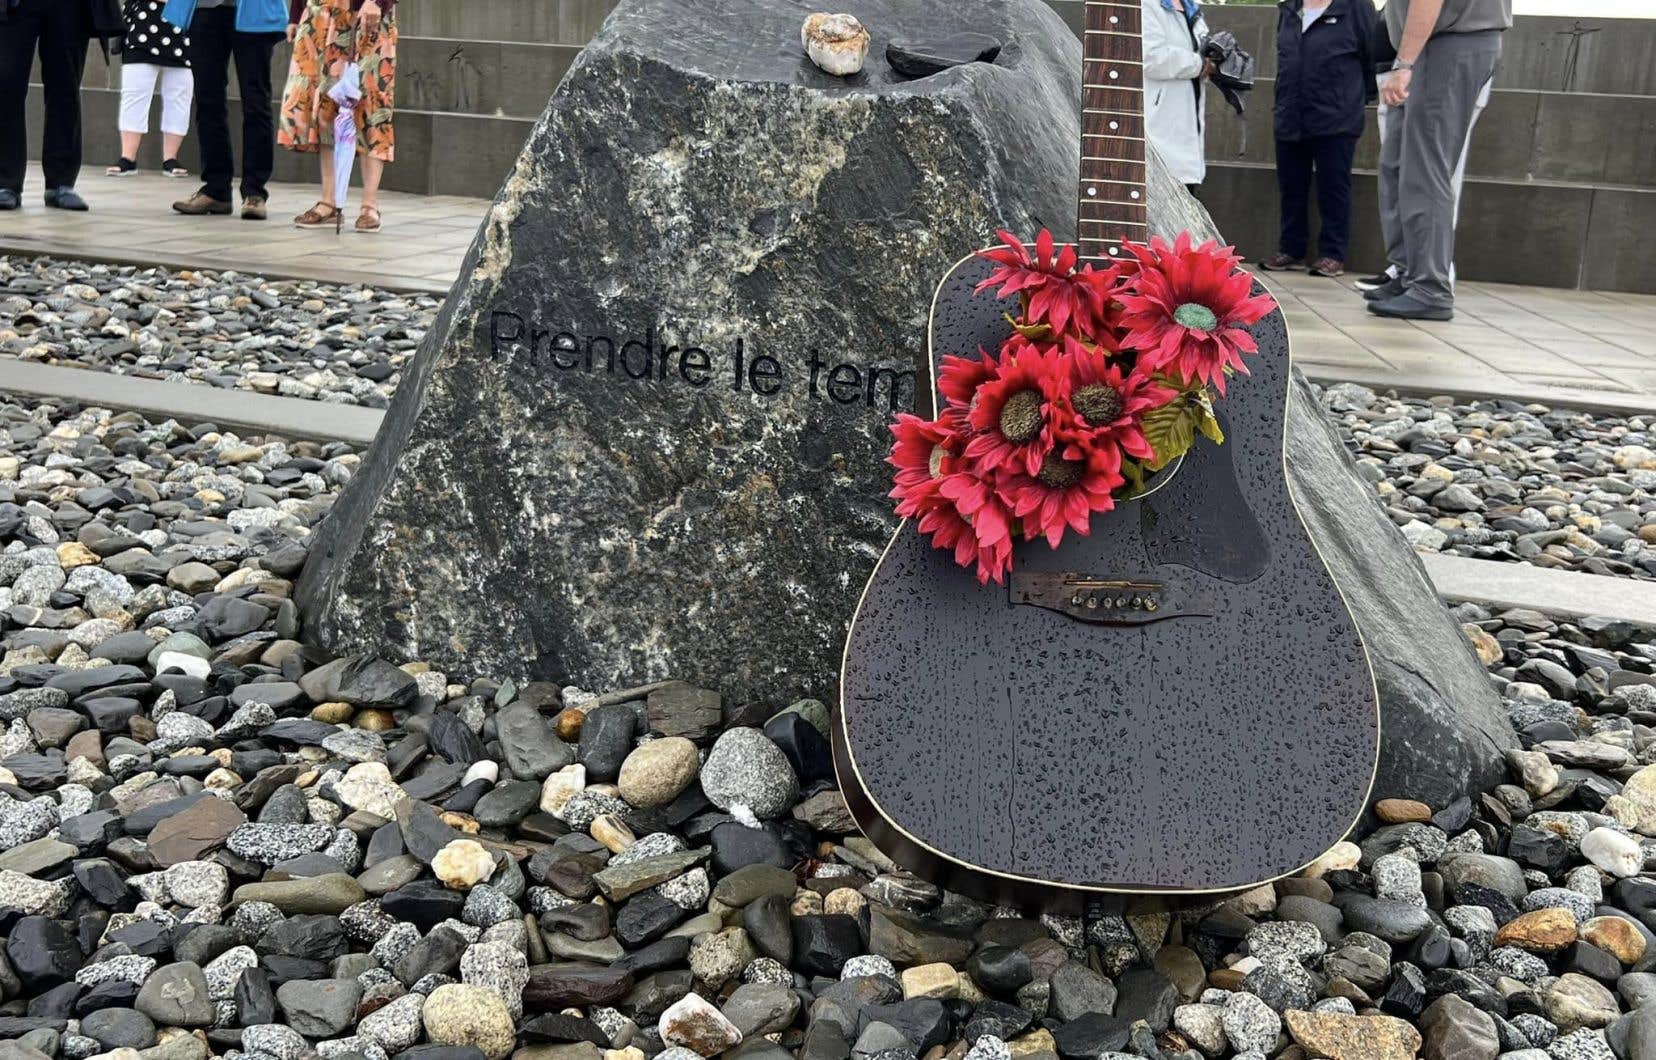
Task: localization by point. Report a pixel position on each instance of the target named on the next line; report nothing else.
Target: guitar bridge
(1109, 601)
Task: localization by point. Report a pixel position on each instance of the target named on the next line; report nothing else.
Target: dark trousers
(57, 28)
(1329, 158)
(214, 41)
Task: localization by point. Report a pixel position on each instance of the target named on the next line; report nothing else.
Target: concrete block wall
(1562, 173)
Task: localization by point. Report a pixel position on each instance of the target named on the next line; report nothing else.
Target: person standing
(1390, 124)
(59, 30)
(154, 53)
(1447, 51)
(1325, 79)
(326, 35)
(1173, 32)
(216, 39)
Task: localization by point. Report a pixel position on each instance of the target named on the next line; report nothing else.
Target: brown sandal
(368, 220)
(320, 216)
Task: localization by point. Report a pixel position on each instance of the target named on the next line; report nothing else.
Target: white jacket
(1173, 109)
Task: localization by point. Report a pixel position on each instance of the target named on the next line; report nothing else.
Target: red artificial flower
(1011, 414)
(1064, 493)
(1059, 295)
(923, 452)
(1185, 310)
(1105, 405)
(950, 505)
(959, 377)
(975, 502)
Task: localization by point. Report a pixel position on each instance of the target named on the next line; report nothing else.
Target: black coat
(1325, 74)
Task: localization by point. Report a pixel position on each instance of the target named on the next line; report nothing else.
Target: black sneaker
(1390, 289)
(8, 199)
(1369, 283)
(1407, 307)
(65, 198)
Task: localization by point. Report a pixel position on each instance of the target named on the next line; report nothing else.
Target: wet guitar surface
(1178, 702)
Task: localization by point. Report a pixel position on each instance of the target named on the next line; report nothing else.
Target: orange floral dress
(327, 39)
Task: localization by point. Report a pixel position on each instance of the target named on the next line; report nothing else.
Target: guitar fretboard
(1113, 171)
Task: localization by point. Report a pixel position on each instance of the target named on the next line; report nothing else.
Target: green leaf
(1171, 431)
(1208, 424)
(1133, 472)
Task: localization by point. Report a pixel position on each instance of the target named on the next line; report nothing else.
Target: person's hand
(1208, 68)
(1396, 88)
(371, 14)
(292, 31)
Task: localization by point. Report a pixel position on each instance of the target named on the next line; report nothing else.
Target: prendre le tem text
(652, 359)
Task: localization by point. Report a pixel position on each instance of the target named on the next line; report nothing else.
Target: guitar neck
(1113, 171)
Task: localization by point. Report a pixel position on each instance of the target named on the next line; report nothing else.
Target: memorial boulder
(645, 437)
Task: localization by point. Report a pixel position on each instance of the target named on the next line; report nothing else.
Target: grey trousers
(1421, 154)
(1391, 223)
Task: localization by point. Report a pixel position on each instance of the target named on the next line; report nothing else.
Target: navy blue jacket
(1325, 74)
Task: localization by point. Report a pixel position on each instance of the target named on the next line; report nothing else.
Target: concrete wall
(1564, 160)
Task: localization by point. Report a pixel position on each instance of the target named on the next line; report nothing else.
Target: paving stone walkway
(1586, 349)
(1583, 349)
(131, 221)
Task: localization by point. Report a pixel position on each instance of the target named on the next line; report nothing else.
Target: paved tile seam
(1501, 586)
(242, 411)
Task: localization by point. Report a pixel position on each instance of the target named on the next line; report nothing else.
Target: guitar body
(1178, 702)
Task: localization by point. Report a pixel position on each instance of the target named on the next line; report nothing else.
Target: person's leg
(210, 32)
(137, 86)
(62, 59)
(253, 53)
(1391, 161)
(177, 90)
(373, 170)
(1450, 73)
(1459, 180)
(1293, 169)
(1334, 158)
(17, 48)
(325, 156)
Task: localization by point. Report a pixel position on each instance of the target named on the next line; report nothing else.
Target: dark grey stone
(783, 492)
(319, 1008)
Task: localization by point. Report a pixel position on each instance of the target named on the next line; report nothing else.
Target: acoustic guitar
(1179, 701)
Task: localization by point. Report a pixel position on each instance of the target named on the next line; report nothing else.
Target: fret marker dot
(1114, 19)
(1092, 191)
(1114, 250)
(1135, 194)
(1114, 75)
(1115, 125)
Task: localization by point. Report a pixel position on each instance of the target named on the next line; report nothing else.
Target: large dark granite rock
(520, 518)
(691, 187)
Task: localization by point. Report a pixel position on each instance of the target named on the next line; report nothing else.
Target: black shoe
(8, 199)
(1369, 283)
(1390, 289)
(65, 199)
(1407, 307)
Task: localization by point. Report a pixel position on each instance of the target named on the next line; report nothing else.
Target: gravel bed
(1508, 481)
(214, 841)
(297, 338)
